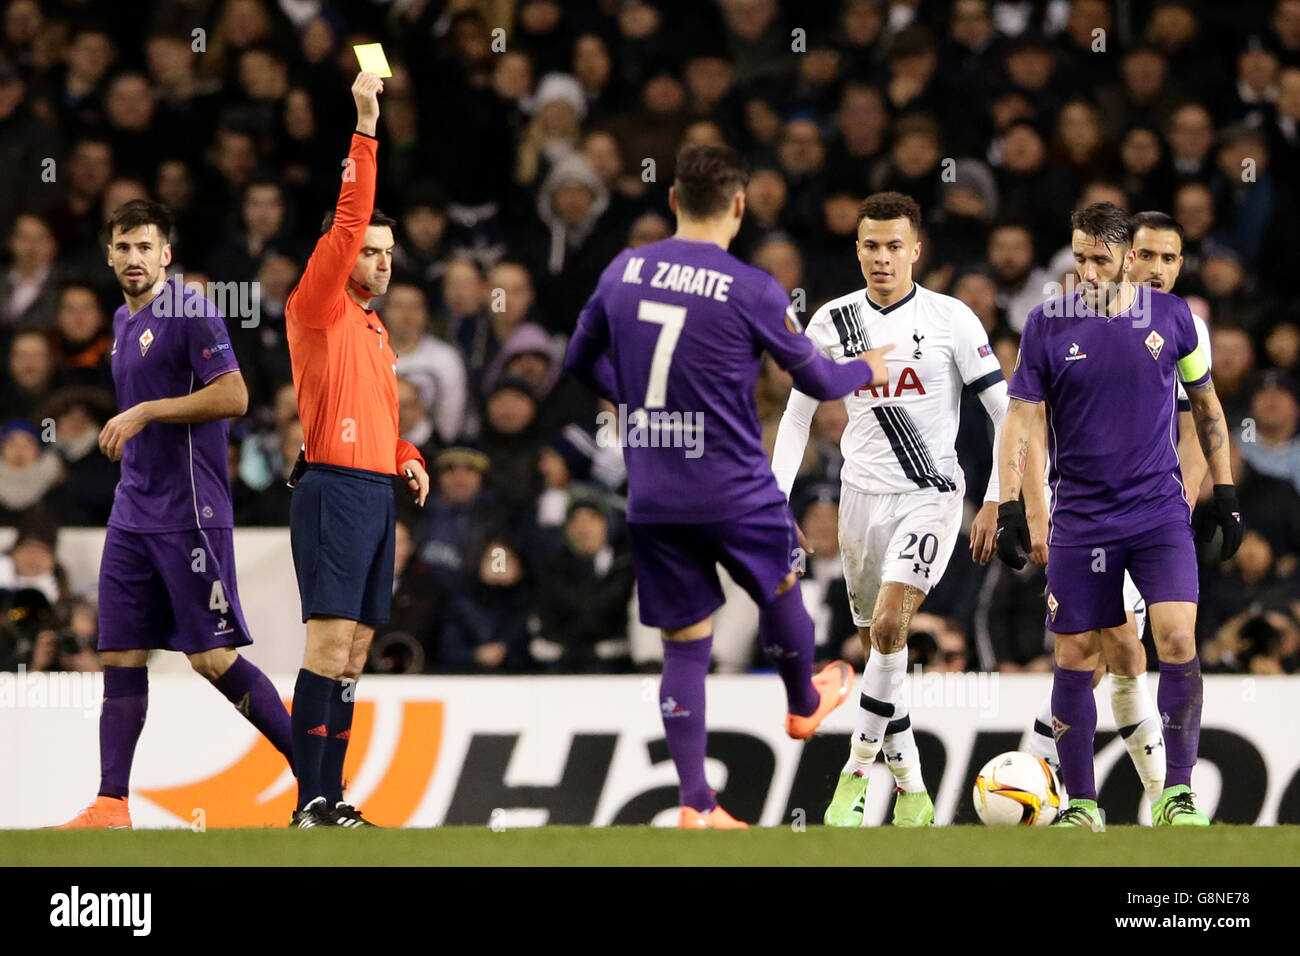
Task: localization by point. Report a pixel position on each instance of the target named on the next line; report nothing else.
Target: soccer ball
(1017, 789)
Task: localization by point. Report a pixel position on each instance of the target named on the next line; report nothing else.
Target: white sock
(1139, 725)
(880, 680)
(1041, 742)
(901, 755)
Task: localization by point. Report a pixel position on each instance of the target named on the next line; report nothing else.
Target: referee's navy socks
(311, 707)
(254, 696)
(339, 726)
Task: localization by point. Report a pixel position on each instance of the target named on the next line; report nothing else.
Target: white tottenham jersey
(900, 437)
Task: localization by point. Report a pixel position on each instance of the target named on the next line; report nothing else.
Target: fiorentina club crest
(146, 340)
(1058, 728)
(1052, 605)
(1154, 344)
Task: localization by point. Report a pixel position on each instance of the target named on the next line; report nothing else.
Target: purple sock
(785, 631)
(1074, 722)
(1179, 701)
(255, 697)
(681, 703)
(126, 698)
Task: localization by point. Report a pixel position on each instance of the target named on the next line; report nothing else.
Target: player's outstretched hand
(417, 480)
(876, 359)
(365, 91)
(984, 533)
(1013, 534)
(1225, 514)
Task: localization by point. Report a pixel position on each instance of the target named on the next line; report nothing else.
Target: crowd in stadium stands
(523, 143)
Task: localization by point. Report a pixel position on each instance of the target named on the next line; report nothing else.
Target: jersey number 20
(671, 318)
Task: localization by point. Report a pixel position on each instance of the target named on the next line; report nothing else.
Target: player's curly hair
(1104, 221)
(890, 205)
(707, 178)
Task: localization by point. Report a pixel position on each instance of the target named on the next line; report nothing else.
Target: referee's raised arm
(317, 300)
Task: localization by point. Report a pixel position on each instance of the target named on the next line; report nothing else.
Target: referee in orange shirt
(341, 519)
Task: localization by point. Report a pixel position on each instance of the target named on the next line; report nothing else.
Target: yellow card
(372, 59)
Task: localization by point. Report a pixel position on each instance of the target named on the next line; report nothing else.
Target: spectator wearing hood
(967, 205)
(485, 628)
(85, 496)
(432, 365)
(27, 470)
(583, 598)
(571, 241)
(534, 356)
(511, 439)
(558, 108)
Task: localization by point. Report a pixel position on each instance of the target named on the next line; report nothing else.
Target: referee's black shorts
(342, 528)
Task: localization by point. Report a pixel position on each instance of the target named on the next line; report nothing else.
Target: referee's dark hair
(137, 213)
(707, 178)
(377, 218)
(1154, 219)
(1104, 221)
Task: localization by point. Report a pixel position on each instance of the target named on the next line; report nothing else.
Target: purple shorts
(1085, 584)
(676, 564)
(173, 590)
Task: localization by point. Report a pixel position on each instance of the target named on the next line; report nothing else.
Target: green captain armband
(1193, 367)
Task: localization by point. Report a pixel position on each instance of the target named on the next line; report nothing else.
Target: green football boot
(913, 809)
(1176, 809)
(847, 804)
(1084, 814)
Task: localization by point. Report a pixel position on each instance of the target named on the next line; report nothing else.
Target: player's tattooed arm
(1212, 430)
(1018, 436)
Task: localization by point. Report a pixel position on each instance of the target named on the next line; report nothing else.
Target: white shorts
(1135, 604)
(906, 538)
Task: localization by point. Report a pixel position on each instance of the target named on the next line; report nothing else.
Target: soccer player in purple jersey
(167, 575)
(675, 331)
(1098, 369)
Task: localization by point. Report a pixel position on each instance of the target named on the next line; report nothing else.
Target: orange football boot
(715, 819)
(833, 682)
(106, 813)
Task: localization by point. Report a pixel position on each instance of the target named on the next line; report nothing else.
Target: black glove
(1225, 513)
(1013, 534)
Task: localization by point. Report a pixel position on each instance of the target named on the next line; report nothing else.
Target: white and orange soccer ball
(1017, 789)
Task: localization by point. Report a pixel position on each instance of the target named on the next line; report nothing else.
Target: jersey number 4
(671, 318)
(217, 599)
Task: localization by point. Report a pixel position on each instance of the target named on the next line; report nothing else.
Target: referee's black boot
(346, 815)
(315, 814)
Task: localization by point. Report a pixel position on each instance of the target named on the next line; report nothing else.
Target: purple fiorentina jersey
(686, 324)
(174, 477)
(1111, 388)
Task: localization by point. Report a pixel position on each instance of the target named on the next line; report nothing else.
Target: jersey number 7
(671, 318)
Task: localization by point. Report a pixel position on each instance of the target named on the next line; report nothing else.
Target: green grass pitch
(645, 846)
